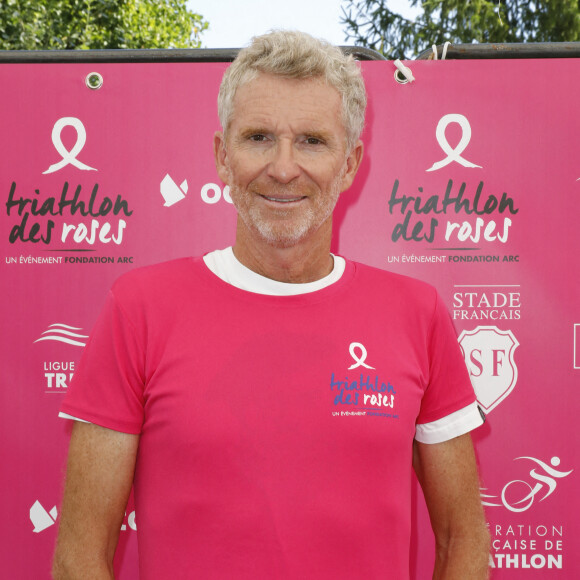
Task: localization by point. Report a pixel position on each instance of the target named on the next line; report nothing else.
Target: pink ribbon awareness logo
(69, 157)
(453, 154)
(359, 360)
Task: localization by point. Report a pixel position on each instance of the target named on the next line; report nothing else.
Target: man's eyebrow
(253, 130)
(320, 135)
(248, 131)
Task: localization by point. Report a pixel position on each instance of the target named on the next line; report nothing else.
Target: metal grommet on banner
(94, 81)
(403, 73)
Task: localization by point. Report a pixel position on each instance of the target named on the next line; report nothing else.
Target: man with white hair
(269, 400)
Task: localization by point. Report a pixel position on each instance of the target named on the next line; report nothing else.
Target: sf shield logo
(489, 355)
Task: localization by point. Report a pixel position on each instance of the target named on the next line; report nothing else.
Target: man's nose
(283, 165)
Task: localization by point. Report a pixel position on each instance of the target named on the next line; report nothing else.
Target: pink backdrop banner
(471, 181)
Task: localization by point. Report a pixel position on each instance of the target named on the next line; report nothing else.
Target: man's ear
(352, 164)
(220, 156)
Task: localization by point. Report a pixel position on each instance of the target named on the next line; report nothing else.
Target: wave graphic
(63, 333)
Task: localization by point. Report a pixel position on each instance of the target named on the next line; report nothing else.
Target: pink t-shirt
(276, 431)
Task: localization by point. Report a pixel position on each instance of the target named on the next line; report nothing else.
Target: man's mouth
(283, 199)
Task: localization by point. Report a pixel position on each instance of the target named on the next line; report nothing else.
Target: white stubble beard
(283, 231)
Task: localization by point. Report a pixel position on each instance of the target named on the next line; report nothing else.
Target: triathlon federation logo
(489, 355)
(545, 477)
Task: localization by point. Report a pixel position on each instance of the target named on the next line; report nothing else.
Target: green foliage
(370, 23)
(95, 24)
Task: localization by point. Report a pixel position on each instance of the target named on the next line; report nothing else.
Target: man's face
(284, 157)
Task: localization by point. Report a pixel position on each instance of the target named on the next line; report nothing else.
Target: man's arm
(100, 469)
(448, 476)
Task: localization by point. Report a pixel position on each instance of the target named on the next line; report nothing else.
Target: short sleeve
(449, 388)
(107, 388)
(452, 425)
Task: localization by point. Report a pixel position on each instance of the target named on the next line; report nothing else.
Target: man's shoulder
(394, 281)
(155, 278)
(396, 294)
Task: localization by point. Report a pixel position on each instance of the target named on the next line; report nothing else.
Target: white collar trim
(226, 266)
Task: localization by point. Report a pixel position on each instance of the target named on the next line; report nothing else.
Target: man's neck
(298, 264)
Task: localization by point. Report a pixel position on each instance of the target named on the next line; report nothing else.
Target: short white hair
(293, 54)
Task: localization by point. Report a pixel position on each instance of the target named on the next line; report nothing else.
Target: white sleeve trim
(67, 416)
(453, 425)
